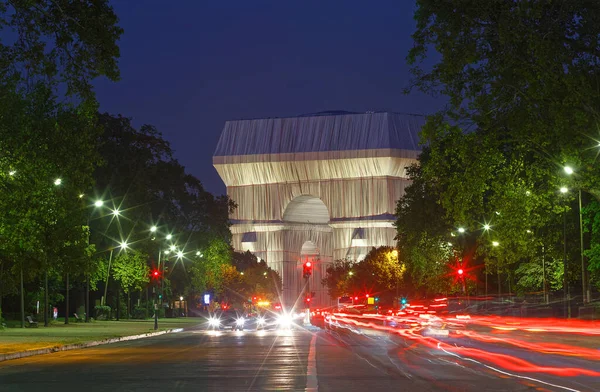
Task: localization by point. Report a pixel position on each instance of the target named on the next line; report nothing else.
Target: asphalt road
(298, 360)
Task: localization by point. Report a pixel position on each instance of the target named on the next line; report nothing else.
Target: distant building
(319, 187)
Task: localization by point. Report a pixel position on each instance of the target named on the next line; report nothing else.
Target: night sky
(189, 66)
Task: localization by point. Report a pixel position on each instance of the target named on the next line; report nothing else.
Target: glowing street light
(169, 236)
(172, 248)
(153, 229)
(564, 189)
(116, 212)
(58, 181)
(12, 173)
(180, 254)
(350, 273)
(124, 245)
(495, 243)
(461, 229)
(81, 195)
(568, 170)
(486, 227)
(584, 282)
(98, 203)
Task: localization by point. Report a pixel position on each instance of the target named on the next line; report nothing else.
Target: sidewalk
(59, 335)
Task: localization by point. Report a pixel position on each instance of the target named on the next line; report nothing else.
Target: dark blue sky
(188, 66)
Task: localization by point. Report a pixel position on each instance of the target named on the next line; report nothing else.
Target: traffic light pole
(155, 309)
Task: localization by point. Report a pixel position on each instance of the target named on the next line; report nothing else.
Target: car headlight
(240, 321)
(214, 322)
(284, 320)
(261, 320)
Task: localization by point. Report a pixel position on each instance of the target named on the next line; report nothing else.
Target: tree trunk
(128, 304)
(67, 300)
(118, 299)
(1, 292)
(46, 298)
(22, 300)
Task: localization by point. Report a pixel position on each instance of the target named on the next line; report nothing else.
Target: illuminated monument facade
(320, 187)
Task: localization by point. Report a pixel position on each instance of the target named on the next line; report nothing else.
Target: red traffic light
(356, 298)
(307, 269)
(307, 299)
(460, 271)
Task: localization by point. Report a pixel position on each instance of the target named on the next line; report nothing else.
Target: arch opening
(306, 209)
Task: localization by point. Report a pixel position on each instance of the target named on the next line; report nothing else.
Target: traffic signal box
(307, 269)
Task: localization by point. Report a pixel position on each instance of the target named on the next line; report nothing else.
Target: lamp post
(584, 283)
(97, 204)
(123, 245)
(564, 190)
(395, 255)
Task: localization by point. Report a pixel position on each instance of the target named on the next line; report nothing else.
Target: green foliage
(592, 224)
(131, 270)
(102, 312)
(45, 136)
(379, 273)
(206, 270)
(523, 90)
(59, 41)
(337, 277)
(257, 279)
(530, 276)
(423, 241)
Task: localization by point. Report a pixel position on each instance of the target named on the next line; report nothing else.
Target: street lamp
(486, 227)
(123, 246)
(461, 230)
(153, 229)
(584, 283)
(58, 181)
(169, 236)
(98, 203)
(564, 190)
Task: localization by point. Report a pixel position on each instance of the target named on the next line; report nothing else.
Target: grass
(17, 339)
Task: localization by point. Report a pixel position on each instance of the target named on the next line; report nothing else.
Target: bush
(102, 312)
(139, 312)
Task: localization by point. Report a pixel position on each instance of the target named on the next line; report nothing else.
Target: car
(228, 319)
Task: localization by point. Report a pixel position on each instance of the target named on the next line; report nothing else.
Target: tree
(132, 272)
(380, 273)
(522, 84)
(337, 277)
(141, 177)
(56, 44)
(423, 232)
(59, 42)
(258, 278)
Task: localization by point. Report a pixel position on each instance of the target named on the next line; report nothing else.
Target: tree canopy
(522, 83)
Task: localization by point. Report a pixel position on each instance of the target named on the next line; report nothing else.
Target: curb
(75, 346)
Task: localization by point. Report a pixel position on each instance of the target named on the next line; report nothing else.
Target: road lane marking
(508, 373)
(312, 384)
